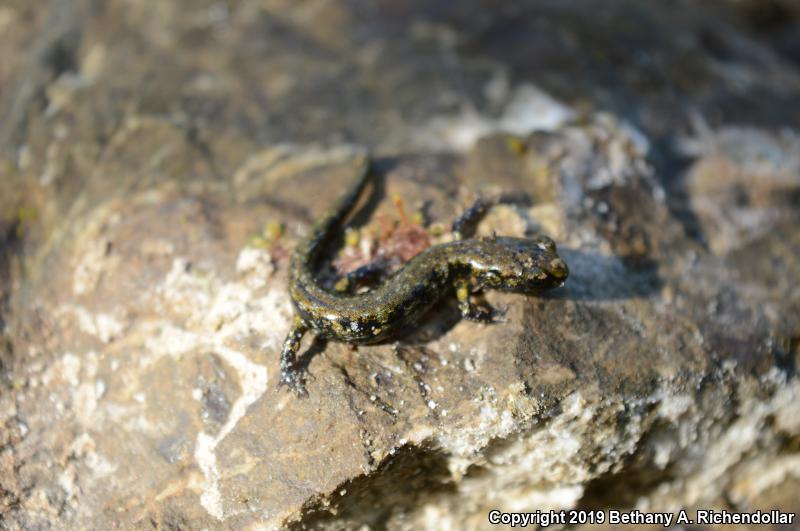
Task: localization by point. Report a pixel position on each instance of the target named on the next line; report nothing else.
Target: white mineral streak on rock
(538, 469)
(103, 326)
(763, 473)
(94, 254)
(67, 368)
(168, 340)
(725, 454)
(89, 268)
(256, 266)
(286, 159)
(529, 109)
(253, 380)
(221, 313)
(548, 464)
(735, 179)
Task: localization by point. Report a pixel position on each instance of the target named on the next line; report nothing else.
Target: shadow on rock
(597, 277)
(372, 499)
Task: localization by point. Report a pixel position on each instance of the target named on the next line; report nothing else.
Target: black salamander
(519, 265)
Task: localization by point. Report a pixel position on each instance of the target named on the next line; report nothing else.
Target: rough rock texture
(160, 159)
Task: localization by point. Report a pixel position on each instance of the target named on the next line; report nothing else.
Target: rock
(155, 184)
(743, 182)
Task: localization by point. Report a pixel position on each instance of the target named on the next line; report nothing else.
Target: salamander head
(520, 265)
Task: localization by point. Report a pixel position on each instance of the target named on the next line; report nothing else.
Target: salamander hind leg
(480, 313)
(291, 374)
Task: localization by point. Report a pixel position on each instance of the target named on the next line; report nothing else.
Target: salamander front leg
(473, 312)
(291, 374)
(365, 275)
(464, 226)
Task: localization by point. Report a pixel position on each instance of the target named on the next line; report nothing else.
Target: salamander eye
(492, 275)
(546, 244)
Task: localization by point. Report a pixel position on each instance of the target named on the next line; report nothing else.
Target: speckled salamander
(512, 264)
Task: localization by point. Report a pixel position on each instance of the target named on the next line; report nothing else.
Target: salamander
(462, 266)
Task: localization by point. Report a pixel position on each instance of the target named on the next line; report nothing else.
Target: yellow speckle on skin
(341, 284)
(352, 237)
(462, 292)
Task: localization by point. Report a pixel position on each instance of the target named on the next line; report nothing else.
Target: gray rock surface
(160, 159)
